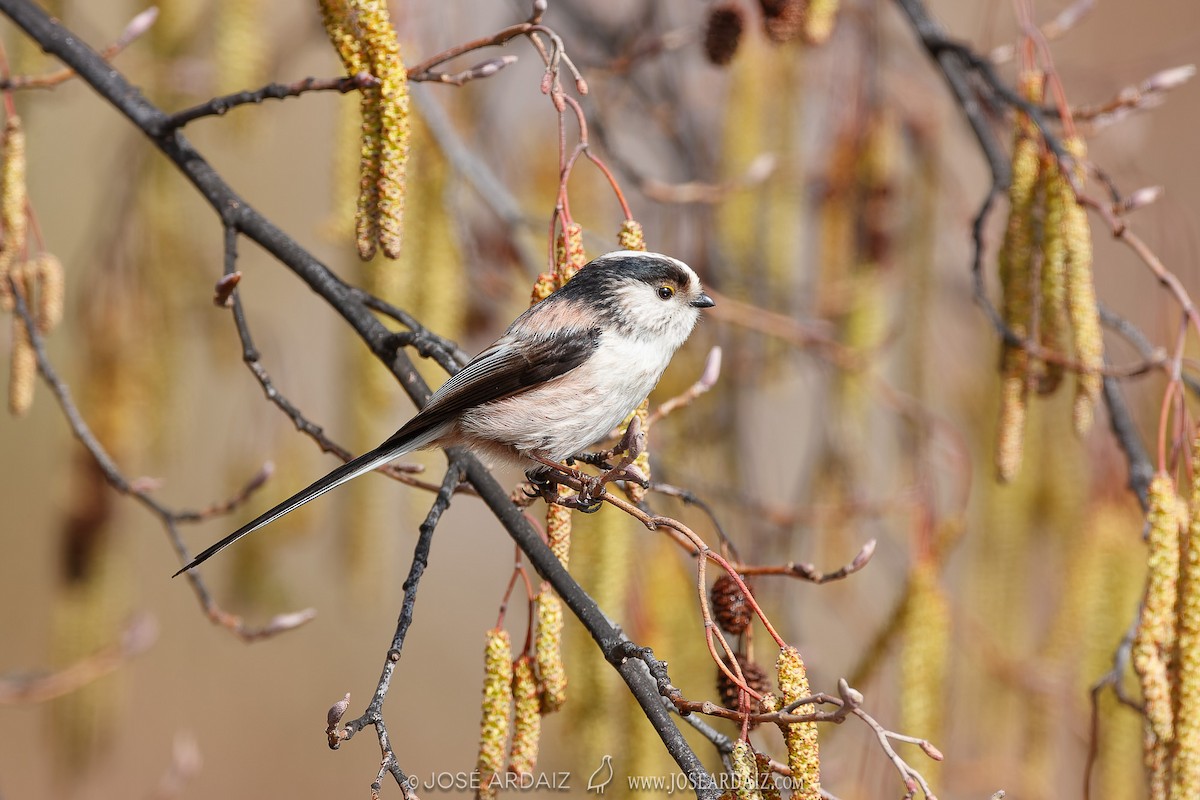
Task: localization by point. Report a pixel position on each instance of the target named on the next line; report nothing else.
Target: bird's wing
(504, 369)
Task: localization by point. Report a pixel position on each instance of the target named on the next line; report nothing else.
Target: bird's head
(644, 295)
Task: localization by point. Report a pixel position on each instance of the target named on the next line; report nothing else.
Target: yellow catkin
(1010, 432)
(383, 52)
(1053, 327)
(366, 217)
(1015, 267)
(336, 18)
(631, 236)
(496, 706)
(1111, 539)
(12, 195)
(766, 778)
(22, 369)
(819, 19)
(527, 718)
(1082, 310)
(366, 214)
(351, 126)
(923, 660)
(744, 769)
(51, 282)
(543, 287)
(558, 532)
(240, 55)
(569, 254)
(548, 650)
(1155, 638)
(800, 737)
(1185, 781)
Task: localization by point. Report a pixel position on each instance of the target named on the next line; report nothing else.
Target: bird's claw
(584, 505)
(630, 474)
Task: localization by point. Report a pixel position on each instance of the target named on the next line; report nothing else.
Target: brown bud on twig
(853, 697)
(486, 69)
(223, 293)
(286, 622)
(137, 26)
(1138, 199)
(337, 711)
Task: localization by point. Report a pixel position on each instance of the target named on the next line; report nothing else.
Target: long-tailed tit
(564, 374)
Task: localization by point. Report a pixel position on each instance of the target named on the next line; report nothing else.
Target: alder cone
(730, 606)
(783, 20)
(723, 33)
(756, 678)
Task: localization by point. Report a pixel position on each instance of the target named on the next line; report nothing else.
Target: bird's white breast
(568, 414)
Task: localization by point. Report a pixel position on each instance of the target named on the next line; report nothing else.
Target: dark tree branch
(420, 561)
(235, 213)
(1141, 468)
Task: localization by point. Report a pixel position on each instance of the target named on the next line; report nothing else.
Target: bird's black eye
(666, 292)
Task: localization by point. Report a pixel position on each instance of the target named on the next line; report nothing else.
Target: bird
(565, 373)
(599, 780)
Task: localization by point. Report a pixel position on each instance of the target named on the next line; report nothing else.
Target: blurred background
(824, 191)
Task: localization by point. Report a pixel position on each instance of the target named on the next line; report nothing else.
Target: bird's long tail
(348, 471)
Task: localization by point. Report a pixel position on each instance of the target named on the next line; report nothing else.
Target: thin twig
(219, 106)
(169, 518)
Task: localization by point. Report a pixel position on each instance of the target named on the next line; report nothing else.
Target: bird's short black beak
(703, 301)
